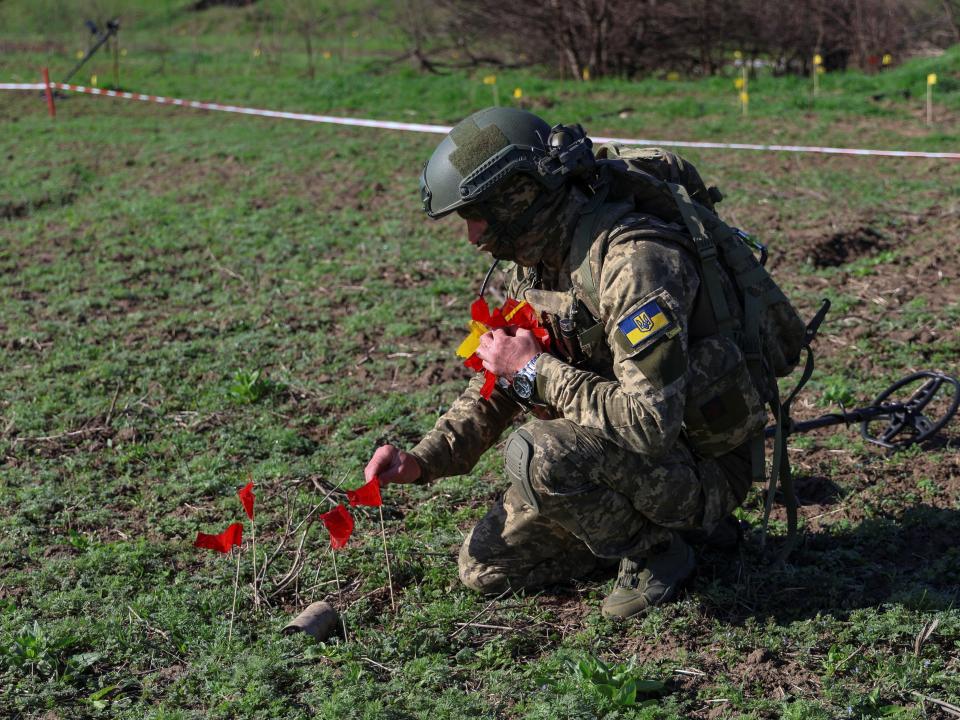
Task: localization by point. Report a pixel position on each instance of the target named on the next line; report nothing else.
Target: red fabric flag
(368, 494)
(247, 497)
(515, 314)
(339, 524)
(222, 543)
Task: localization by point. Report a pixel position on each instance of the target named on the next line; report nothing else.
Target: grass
(188, 299)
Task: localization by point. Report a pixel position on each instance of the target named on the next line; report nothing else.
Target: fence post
(46, 86)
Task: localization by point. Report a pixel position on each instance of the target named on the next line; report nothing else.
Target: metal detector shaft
(845, 418)
(112, 28)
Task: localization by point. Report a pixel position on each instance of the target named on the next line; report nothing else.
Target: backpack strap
(709, 263)
(780, 472)
(583, 237)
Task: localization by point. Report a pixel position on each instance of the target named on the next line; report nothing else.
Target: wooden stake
(46, 86)
(253, 551)
(233, 608)
(383, 532)
(343, 609)
(929, 103)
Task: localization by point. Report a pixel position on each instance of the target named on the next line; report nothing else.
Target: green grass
(188, 300)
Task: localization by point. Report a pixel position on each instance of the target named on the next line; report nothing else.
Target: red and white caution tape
(444, 129)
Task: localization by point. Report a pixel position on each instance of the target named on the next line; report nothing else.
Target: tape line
(444, 129)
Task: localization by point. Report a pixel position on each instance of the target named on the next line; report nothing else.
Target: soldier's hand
(504, 351)
(392, 466)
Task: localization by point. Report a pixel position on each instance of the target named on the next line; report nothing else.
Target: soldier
(605, 471)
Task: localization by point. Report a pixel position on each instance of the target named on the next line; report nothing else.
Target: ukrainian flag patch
(645, 323)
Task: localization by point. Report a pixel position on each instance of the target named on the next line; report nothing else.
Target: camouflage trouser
(575, 497)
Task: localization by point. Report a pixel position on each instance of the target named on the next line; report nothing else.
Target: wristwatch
(525, 381)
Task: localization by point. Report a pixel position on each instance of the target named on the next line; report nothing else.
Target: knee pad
(518, 455)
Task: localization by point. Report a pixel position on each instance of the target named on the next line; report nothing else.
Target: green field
(153, 259)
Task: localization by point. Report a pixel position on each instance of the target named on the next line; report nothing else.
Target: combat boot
(652, 580)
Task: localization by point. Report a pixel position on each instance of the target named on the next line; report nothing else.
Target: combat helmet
(491, 146)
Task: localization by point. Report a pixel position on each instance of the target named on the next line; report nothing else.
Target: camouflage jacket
(631, 386)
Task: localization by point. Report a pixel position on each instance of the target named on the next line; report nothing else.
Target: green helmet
(492, 145)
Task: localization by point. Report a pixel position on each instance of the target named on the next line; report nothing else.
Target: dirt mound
(844, 247)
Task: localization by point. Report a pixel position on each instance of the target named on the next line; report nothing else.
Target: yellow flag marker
(817, 59)
(327, 55)
(93, 80)
(517, 93)
(887, 59)
(79, 54)
(738, 83)
(737, 55)
(673, 76)
(931, 81)
(745, 98)
(586, 73)
(491, 80)
(123, 52)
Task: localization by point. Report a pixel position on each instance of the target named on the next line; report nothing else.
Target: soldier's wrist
(425, 476)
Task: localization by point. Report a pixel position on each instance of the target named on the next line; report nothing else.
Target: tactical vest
(743, 334)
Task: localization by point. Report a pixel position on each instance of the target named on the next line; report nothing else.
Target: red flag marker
(222, 543)
(368, 494)
(339, 524)
(247, 497)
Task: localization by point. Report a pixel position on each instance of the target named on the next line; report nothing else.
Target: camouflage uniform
(612, 475)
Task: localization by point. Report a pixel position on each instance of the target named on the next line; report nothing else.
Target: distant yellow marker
(737, 55)
(123, 52)
(256, 52)
(932, 79)
(490, 80)
(586, 73)
(673, 76)
(79, 54)
(745, 98)
(817, 60)
(887, 59)
(327, 55)
(517, 93)
(93, 80)
(738, 83)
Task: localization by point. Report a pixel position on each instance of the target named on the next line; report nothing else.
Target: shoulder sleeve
(647, 292)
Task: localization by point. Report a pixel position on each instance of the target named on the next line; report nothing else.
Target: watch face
(523, 387)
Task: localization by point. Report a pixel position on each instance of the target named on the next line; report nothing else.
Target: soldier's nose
(475, 230)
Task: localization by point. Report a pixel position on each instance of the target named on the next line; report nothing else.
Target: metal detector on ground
(895, 421)
(102, 37)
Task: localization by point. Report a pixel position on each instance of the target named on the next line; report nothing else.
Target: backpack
(753, 334)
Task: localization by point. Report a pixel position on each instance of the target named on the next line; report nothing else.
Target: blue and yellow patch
(644, 323)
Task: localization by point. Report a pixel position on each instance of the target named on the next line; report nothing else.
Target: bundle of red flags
(513, 314)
